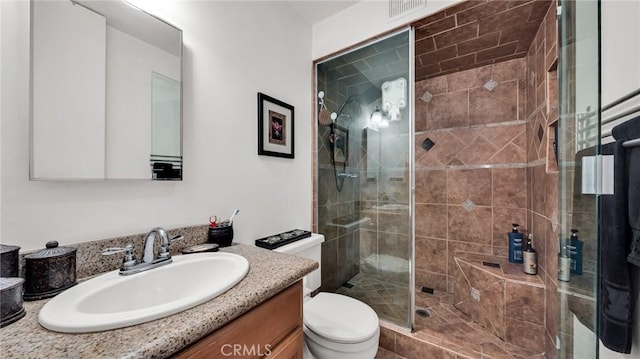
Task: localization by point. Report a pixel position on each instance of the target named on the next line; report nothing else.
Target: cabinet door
(68, 91)
(290, 347)
(257, 333)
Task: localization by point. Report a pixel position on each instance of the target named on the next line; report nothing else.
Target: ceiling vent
(398, 8)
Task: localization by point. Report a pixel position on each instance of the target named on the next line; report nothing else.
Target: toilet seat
(340, 319)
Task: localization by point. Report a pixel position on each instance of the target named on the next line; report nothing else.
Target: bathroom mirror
(106, 92)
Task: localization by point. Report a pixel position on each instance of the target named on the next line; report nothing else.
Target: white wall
(362, 21)
(620, 56)
(232, 51)
(130, 62)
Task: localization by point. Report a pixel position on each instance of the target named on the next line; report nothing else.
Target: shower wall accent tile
(474, 185)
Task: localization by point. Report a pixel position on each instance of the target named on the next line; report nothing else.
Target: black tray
(279, 240)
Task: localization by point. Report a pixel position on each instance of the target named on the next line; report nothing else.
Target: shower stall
(364, 174)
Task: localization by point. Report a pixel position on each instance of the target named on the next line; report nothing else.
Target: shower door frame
(409, 325)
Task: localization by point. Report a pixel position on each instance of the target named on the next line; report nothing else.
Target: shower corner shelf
(346, 223)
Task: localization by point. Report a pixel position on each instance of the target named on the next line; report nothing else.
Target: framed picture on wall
(275, 127)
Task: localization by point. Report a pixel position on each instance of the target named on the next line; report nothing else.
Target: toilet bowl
(335, 326)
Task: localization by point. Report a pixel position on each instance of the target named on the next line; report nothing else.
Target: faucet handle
(129, 259)
(164, 249)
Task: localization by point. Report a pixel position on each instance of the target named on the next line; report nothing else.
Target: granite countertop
(269, 273)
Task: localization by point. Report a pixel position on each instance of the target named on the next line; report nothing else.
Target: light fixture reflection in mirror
(378, 120)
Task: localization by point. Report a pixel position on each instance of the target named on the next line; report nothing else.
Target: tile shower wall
(340, 257)
(542, 175)
(471, 185)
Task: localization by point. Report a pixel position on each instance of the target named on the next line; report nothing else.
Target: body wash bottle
(530, 258)
(575, 253)
(515, 245)
(564, 265)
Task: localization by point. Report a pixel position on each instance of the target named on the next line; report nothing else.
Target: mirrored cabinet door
(68, 91)
(106, 92)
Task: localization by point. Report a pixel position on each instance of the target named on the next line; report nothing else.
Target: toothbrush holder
(221, 235)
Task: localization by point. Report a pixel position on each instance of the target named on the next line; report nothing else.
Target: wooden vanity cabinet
(273, 329)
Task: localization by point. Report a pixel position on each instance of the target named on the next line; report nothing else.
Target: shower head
(342, 107)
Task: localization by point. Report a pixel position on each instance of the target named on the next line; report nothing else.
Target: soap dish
(201, 248)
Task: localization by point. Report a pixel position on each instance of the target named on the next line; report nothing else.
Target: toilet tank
(307, 248)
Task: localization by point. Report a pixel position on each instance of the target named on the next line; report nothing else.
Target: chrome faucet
(130, 264)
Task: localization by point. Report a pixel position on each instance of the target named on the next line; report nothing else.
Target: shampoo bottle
(530, 258)
(575, 253)
(515, 245)
(564, 265)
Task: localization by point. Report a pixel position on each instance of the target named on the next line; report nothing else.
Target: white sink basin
(113, 301)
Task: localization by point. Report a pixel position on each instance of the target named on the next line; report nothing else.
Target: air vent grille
(402, 7)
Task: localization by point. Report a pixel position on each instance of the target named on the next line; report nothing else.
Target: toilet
(335, 326)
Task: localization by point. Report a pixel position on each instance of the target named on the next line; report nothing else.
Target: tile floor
(389, 299)
(445, 327)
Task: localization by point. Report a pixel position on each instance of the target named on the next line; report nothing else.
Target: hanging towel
(627, 130)
(615, 303)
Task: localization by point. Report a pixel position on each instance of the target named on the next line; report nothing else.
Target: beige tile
(409, 347)
(470, 226)
(498, 105)
(448, 110)
(509, 187)
(431, 220)
(468, 79)
(386, 354)
(503, 218)
(534, 338)
(387, 339)
(431, 254)
(431, 186)
(474, 185)
(524, 302)
(433, 280)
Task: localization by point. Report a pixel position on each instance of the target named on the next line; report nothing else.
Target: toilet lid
(340, 318)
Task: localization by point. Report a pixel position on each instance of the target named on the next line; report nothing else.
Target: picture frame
(340, 145)
(275, 127)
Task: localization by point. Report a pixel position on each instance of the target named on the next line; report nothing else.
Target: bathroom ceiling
(314, 11)
(475, 33)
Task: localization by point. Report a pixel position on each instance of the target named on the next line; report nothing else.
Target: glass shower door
(364, 175)
(578, 145)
